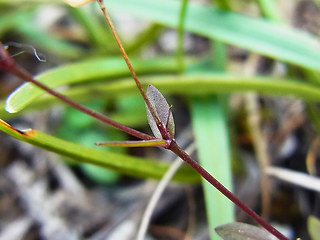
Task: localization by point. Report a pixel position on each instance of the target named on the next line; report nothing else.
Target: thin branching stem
(7, 63)
(134, 75)
(214, 182)
(177, 150)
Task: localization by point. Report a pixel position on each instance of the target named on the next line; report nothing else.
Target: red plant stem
(183, 155)
(177, 150)
(8, 64)
(23, 74)
(214, 182)
(160, 126)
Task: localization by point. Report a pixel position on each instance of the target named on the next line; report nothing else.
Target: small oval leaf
(243, 231)
(163, 111)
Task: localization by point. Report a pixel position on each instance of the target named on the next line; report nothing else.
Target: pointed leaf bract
(170, 124)
(162, 110)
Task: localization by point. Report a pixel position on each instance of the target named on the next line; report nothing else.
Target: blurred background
(257, 140)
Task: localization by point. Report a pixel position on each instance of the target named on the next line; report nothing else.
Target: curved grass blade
(12, 19)
(91, 70)
(262, 36)
(169, 84)
(121, 163)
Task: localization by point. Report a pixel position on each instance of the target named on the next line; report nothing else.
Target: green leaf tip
(122, 163)
(243, 231)
(10, 107)
(25, 133)
(313, 227)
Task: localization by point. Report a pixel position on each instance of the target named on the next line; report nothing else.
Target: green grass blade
(258, 35)
(145, 38)
(211, 135)
(168, 84)
(41, 39)
(222, 4)
(209, 121)
(94, 29)
(121, 163)
(268, 9)
(91, 70)
(180, 36)
(12, 19)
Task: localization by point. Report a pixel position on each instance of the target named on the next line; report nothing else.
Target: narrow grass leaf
(262, 36)
(121, 163)
(211, 136)
(90, 70)
(168, 84)
(12, 19)
(209, 120)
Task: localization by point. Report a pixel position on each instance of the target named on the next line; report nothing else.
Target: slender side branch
(177, 150)
(9, 65)
(214, 182)
(125, 56)
(141, 143)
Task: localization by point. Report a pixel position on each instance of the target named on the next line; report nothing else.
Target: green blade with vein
(90, 70)
(171, 84)
(259, 35)
(133, 166)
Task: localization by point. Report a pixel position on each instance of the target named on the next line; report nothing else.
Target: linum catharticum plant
(159, 116)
